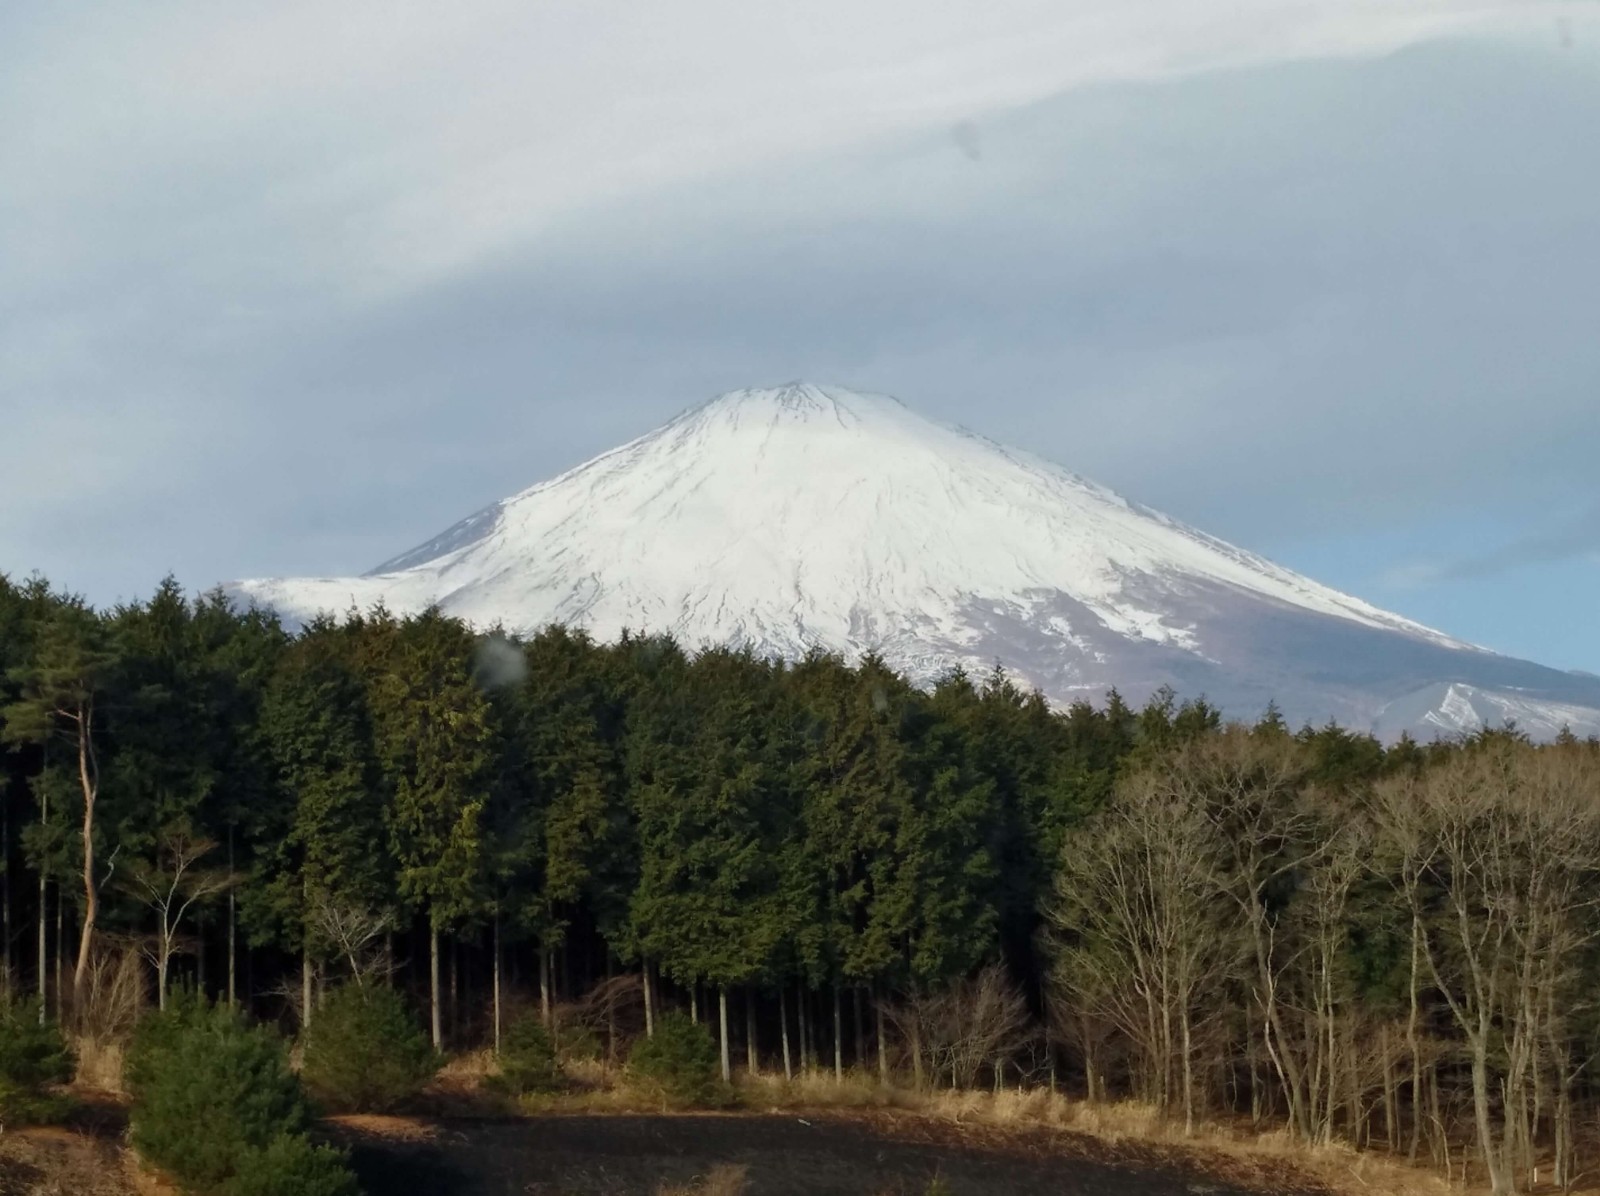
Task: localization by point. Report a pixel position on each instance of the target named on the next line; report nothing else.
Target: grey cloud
(1578, 539)
(1347, 293)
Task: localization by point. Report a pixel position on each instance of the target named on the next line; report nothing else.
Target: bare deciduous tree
(171, 885)
(974, 1023)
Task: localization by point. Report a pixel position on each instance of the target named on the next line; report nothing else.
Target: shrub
(527, 1059)
(32, 1055)
(364, 1051)
(291, 1166)
(208, 1090)
(680, 1062)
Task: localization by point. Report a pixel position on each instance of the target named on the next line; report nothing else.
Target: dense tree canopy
(1202, 914)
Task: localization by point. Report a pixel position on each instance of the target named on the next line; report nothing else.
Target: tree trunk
(455, 990)
(694, 1002)
(800, 1017)
(838, 1036)
(61, 954)
(163, 959)
(88, 777)
(783, 1022)
(649, 1001)
(5, 901)
(199, 954)
(233, 930)
(1188, 1074)
(437, 1014)
(861, 1030)
(497, 982)
(44, 945)
(883, 1045)
(305, 987)
(544, 984)
(1499, 1182)
(722, 1010)
(752, 1056)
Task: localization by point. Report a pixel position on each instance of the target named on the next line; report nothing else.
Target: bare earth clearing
(863, 1154)
(866, 1153)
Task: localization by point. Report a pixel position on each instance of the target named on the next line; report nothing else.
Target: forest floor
(812, 1136)
(830, 1154)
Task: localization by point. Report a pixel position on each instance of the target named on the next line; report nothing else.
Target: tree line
(1388, 945)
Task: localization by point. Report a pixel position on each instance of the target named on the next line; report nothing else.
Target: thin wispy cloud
(1579, 538)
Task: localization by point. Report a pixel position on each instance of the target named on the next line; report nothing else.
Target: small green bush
(208, 1090)
(365, 1052)
(33, 1055)
(680, 1061)
(291, 1166)
(527, 1059)
(574, 1040)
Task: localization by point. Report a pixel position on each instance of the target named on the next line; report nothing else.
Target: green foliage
(291, 1165)
(33, 1055)
(364, 1051)
(210, 1093)
(527, 1059)
(680, 1063)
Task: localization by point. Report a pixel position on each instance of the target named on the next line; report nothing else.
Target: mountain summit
(808, 516)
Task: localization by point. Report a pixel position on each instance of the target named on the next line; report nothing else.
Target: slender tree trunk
(838, 1035)
(454, 974)
(1391, 1114)
(306, 1002)
(544, 984)
(883, 1043)
(44, 945)
(1414, 1042)
(783, 1022)
(437, 1016)
(649, 1001)
(1188, 1074)
(161, 978)
(800, 1017)
(722, 1010)
(5, 900)
(861, 1030)
(752, 1056)
(61, 954)
(200, 955)
(611, 1014)
(1493, 1163)
(233, 931)
(88, 777)
(694, 1002)
(497, 982)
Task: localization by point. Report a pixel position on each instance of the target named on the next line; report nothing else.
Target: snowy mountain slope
(808, 516)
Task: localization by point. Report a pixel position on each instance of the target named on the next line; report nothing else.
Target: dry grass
(1122, 1124)
(99, 1065)
(470, 1066)
(1232, 1149)
(722, 1180)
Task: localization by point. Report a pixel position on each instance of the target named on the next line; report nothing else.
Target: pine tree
(436, 742)
(60, 700)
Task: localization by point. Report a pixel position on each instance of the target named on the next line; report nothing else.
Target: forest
(1388, 945)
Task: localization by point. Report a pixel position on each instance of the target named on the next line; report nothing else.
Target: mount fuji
(810, 516)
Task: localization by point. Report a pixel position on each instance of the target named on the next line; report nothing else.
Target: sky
(287, 288)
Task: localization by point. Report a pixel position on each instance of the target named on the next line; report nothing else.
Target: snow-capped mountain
(807, 516)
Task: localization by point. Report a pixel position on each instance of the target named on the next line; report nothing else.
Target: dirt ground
(784, 1155)
(861, 1153)
(62, 1162)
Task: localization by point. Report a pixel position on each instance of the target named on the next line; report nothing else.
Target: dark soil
(784, 1155)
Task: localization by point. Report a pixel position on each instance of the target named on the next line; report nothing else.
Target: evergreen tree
(436, 743)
